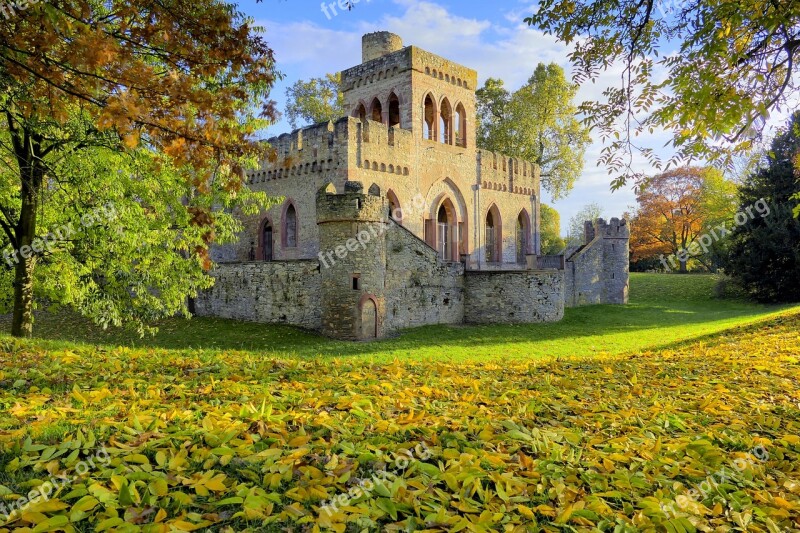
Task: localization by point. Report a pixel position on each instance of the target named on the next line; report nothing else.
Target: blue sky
(490, 37)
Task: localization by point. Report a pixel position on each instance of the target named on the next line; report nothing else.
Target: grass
(663, 310)
(679, 412)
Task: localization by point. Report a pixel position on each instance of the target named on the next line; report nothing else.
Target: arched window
(523, 236)
(376, 111)
(429, 119)
(394, 110)
(494, 236)
(361, 113)
(446, 123)
(266, 241)
(461, 126)
(290, 226)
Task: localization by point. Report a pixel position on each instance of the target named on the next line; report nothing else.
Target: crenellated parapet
(499, 172)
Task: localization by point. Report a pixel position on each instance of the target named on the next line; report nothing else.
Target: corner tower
(616, 255)
(352, 245)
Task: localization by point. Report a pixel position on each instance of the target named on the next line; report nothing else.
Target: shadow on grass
(665, 309)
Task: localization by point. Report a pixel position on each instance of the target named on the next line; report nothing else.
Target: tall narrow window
(523, 236)
(266, 241)
(394, 110)
(377, 111)
(445, 123)
(361, 113)
(290, 226)
(429, 119)
(461, 126)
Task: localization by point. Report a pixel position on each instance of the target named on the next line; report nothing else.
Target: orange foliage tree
(674, 209)
(185, 79)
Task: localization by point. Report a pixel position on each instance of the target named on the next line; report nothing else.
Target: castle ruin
(393, 218)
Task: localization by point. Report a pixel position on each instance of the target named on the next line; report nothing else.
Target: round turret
(378, 44)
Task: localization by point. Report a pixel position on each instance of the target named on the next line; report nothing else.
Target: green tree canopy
(151, 108)
(590, 212)
(552, 243)
(765, 251)
(710, 73)
(538, 123)
(315, 100)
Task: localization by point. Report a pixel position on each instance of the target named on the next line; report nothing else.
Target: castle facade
(393, 218)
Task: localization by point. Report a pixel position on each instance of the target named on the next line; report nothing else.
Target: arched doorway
(446, 231)
(523, 236)
(266, 241)
(494, 236)
(369, 319)
(395, 211)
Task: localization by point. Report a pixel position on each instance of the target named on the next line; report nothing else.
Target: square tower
(412, 89)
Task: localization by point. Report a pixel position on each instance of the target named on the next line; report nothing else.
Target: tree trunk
(683, 269)
(22, 321)
(22, 318)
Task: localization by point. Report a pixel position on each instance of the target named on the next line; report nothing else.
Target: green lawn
(663, 310)
(682, 415)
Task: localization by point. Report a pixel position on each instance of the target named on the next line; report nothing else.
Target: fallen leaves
(606, 444)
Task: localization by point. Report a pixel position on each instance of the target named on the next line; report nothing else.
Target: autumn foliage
(185, 81)
(675, 208)
(698, 437)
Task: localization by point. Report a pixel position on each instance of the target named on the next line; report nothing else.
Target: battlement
(385, 61)
(320, 137)
(500, 172)
(615, 228)
(379, 134)
(353, 205)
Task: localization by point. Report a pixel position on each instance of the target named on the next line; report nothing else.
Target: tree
(589, 212)
(151, 107)
(765, 251)
(710, 73)
(678, 214)
(315, 100)
(537, 123)
(552, 243)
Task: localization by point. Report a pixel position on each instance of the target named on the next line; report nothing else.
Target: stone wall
(420, 289)
(523, 296)
(285, 292)
(598, 272)
(584, 280)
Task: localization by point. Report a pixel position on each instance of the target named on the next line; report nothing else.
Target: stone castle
(392, 218)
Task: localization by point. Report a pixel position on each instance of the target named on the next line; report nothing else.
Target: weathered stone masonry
(392, 218)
